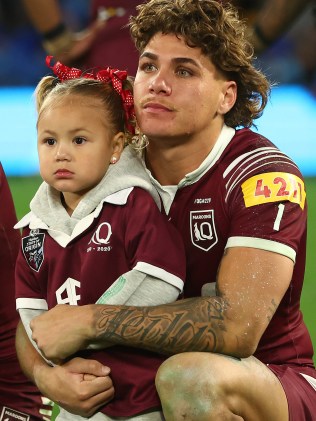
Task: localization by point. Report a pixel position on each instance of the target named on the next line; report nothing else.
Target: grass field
(24, 188)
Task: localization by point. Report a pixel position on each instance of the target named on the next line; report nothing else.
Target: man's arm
(80, 386)
(57, 39)
(250, 286)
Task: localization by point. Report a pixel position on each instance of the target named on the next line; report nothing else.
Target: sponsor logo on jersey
(9, 414)
(202, 200)
(273, 187)
(202, 229)
(101, 238)
(33, 249)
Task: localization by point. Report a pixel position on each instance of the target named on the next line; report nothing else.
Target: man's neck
(170, 162)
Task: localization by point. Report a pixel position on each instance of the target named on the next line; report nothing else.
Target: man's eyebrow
(176, 60)
(185, 60)
(147, 54)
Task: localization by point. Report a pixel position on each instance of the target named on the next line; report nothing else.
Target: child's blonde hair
(50, 91)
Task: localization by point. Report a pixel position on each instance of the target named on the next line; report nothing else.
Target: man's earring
(113, 160)
(140, 141)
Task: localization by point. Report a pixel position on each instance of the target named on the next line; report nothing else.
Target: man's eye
(184, 72)
(79, 140)
(148, 67)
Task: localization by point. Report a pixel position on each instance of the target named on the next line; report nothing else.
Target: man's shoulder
(250, 153)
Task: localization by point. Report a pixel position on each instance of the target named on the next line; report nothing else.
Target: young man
(241, 208)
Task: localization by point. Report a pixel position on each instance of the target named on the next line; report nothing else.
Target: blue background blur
(289, 120)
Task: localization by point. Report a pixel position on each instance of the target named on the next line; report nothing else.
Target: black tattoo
(272, 309)
(194, 324)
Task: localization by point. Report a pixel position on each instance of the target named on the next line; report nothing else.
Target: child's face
(75, 146)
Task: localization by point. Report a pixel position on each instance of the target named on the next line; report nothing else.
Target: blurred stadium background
(289, 119)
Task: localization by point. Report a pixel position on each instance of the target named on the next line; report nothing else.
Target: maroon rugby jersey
(122, 237)
(114, 46)
(19, 398)
(248, 193)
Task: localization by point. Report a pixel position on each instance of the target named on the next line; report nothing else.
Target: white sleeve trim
(33, 303)
(260, 243)
(160, 274)
(310, 380)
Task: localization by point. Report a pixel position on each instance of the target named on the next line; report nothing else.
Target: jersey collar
(226, 135)
(167, 193)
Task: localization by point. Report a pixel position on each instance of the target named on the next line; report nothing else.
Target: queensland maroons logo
(33, 249)
(9, 414)
(102, 234)
(202, 229)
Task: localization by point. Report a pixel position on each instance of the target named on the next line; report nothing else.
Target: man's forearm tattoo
(186, 325)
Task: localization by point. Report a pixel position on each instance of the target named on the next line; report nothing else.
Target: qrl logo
(202, 228)
(102, 234)
(9, 414)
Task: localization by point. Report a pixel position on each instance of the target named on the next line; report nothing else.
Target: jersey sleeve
(152, 243)
(266, 202)
(139, 289)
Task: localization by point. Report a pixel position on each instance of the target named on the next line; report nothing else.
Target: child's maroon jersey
(19, 398)
(78, 269)
(248, 193)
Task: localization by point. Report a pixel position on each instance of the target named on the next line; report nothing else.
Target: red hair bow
(107, 75)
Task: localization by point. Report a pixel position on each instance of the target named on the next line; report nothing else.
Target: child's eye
(79, 140)
(50, 142)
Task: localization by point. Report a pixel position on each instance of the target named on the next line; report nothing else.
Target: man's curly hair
(217, 30)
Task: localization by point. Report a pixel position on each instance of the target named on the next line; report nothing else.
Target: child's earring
(113, 160)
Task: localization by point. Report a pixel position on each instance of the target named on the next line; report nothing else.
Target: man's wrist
(88, 319)
(57, 40)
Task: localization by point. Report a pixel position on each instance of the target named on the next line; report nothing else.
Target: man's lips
(157, 107)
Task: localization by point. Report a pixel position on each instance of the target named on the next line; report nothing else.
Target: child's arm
(26, 315)
(136, 288)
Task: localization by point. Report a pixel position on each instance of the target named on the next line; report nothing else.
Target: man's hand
(79, 386)
(62, 331)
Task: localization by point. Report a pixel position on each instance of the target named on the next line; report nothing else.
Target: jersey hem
(31, 303)
(161, 274)
(260, 243)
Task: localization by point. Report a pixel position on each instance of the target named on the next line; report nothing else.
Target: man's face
(178, 92)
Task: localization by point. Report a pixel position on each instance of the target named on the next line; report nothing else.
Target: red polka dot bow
(107, 75)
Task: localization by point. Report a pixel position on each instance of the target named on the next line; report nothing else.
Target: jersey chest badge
(100, 240)
(9, 414)
(33, 249)
(202, 229)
